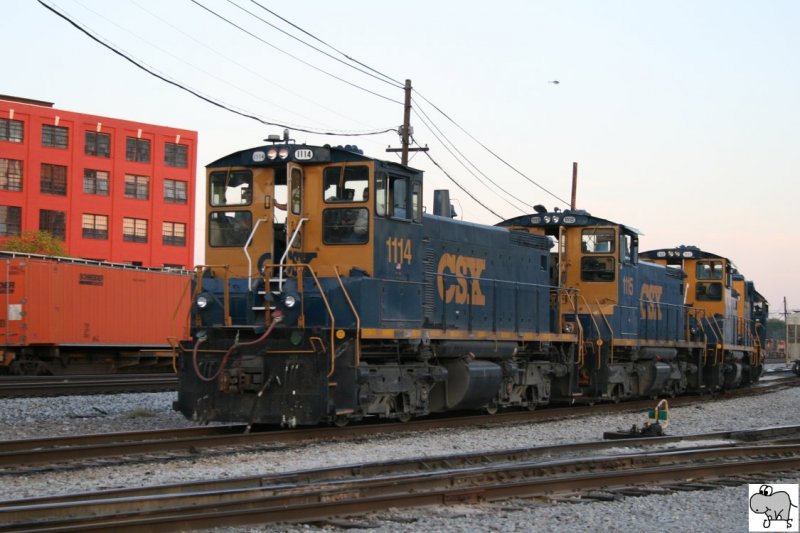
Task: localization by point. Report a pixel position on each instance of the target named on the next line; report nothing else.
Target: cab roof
(565, 218)
(681, 252)
(279, 154)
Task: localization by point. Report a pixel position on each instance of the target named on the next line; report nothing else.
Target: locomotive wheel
(492, 408)
(404, 416)
(341, 421)
(532, 406)
(615, 395)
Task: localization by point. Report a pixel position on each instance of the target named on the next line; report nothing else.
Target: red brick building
(112, 189)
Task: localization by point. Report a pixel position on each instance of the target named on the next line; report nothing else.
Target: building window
(10, 175)
(137, 150)
(11, 130)
(10, 221)
(55, 136)
(134, 230)
(175, 191)
(173, 234)
(176, 155)
(53, 222)
(95, 227)
(95, 182)
(98, 144)
(137, 187)
(54, 179)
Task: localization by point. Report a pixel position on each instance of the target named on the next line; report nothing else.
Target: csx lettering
(458, 279)
(650, 297)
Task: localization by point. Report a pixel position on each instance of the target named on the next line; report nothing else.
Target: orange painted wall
(115, 205)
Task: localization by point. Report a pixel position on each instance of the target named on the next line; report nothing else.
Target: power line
(199, 69)
(290, 23)
(509, 165)
(334, 76)
(241, 65)
(345, 63)
(196, 93)
(459, 185)
(431, 126)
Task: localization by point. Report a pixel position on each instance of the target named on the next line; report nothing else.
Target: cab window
(344, 225)
(597, 268)
(230, 188)
(345, 184)
(380, 194)
(708, 291)
(398, 194)
(709, 270)
(597, 241)
(229, 228)
(297, 191)
(416, 202)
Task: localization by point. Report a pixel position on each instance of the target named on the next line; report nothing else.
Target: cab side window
(345, 184)
(231, 188)
(709, 270)
(398, 194)
(708, 291)
(597, 241)
(597, 268)
(229, 228)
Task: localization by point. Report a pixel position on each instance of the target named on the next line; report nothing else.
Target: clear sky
(683, 116)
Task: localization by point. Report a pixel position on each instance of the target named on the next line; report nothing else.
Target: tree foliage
(776, 329)
(35, 242)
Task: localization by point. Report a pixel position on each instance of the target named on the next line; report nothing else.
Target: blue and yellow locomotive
(330, 296)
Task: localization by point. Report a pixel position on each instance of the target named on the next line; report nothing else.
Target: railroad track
(553, 472)
(38, 386)
(31, 455)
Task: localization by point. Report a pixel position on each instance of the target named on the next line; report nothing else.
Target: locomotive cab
(729, 313)
(630, 314)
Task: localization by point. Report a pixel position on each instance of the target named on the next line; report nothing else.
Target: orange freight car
(65, 316)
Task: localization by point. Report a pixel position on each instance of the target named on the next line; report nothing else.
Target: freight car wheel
(616, 395)
(28, 367)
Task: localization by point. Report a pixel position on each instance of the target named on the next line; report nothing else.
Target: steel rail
(14, 454)
(286, 501)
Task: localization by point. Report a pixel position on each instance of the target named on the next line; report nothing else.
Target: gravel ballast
(724, 509)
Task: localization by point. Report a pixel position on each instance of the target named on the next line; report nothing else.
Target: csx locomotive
(331, 296)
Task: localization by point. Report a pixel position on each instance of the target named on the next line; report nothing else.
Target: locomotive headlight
(272, 153)
(201, 302)
(567, 328)
(547, 218)
(284, 153)
(555, 219)
(289, 301)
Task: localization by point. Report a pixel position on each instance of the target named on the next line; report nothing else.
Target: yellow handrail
(355, 314)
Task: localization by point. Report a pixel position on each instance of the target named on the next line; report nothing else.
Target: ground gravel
(718, 510)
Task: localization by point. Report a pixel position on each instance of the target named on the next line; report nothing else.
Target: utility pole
(785, 332)
(405, 130)
(574, 185)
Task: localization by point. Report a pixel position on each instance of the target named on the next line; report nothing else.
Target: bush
(35, 242)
